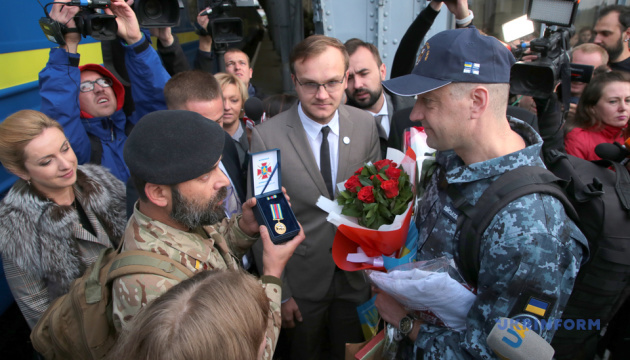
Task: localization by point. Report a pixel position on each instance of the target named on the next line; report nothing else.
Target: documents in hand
(427, 287)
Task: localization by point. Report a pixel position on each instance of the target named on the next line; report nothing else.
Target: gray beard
(193, 213)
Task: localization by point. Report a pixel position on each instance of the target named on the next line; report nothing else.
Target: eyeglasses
(313, 87)
(88, 86)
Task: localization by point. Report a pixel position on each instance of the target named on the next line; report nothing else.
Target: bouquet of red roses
(373, 213)
(376, 193)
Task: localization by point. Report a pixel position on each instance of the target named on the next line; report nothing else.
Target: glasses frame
(309, 86)
(107, 83)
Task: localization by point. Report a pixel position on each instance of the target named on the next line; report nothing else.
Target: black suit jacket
(233, 167)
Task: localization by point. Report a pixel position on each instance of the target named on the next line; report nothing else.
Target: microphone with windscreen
(254, 109)
(510, 339)
(613, 152)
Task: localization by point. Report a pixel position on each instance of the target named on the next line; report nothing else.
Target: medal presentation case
(272, 208)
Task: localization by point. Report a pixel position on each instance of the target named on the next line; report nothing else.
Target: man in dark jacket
(88, 100)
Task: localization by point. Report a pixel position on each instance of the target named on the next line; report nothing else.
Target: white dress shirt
(314, 135)
(385, 118)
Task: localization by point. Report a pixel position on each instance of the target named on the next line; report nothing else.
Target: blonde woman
(234, 97)
(57, 217)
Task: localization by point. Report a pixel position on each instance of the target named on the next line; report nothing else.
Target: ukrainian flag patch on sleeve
(537, 307)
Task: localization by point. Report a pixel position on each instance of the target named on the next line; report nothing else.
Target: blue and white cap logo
(471, 68)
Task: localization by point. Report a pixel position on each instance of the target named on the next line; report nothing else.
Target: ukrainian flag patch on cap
(471, 68)
(537, 307)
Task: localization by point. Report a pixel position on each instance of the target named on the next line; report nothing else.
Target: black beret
(169, 147)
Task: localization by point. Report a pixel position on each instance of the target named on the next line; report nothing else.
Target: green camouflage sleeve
(132, 292)
(273, 289)
(228, 229)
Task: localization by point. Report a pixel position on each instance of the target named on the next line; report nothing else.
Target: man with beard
(173, 157)
(365, 91)
(612, 33)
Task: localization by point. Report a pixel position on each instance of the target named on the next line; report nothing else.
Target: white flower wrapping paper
(423, 290)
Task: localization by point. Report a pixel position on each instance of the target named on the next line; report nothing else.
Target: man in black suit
(365, 91)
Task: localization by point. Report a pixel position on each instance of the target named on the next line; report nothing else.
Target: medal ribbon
(276, 210)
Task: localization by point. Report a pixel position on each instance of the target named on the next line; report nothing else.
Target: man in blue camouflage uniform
(531, 252)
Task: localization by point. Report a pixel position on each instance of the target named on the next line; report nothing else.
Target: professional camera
(223, 28)
(89, 21)
(540, 77)
(157, 13)
(92, 21)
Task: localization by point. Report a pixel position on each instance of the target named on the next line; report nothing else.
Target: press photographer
(87, 100)
(556, 73)
(216, 28)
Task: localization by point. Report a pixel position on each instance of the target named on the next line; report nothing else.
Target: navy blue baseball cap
(452, 56)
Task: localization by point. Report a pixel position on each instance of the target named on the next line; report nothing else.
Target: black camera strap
(565, 83)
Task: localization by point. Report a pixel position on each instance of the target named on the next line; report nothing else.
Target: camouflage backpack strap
(146, 262)
(473, 220)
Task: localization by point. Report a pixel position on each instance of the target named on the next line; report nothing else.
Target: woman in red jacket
(601, 116)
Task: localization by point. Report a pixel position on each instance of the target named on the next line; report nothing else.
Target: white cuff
(467, 19)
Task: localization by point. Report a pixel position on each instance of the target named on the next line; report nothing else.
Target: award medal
(277, 215)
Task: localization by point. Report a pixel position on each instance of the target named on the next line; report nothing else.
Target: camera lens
(153, 9)
(97, 25)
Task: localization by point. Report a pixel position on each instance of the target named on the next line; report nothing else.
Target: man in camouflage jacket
(531, 251)
(173, 157)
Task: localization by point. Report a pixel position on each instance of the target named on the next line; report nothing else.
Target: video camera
(158, 13)
(92, 21)
(540, 77)
(223, 28)
(89, 21)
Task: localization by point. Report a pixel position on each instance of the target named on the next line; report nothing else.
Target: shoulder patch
(537, 307)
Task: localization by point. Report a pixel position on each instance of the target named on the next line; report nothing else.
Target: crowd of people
(170, 177)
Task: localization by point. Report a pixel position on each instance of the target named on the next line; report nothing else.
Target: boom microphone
(253, 109)
(613, 152)
(511, 340)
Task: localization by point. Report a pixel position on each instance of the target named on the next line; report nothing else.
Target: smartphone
(581, 73)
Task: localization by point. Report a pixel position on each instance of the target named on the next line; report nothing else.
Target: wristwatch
(405, 325)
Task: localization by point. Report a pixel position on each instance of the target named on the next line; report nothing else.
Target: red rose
(366, 194)
(378, 176)
(392, 173)
(382, 163)
(358, 172)
(390, 188)
(352, 183)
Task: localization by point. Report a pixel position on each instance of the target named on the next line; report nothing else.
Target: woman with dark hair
(217, 314)
(57, 217)
(601, 116)
(275, 104)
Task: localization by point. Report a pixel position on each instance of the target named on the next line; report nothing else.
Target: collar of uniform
(313, 128)
(187, 242)
(458, 172)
